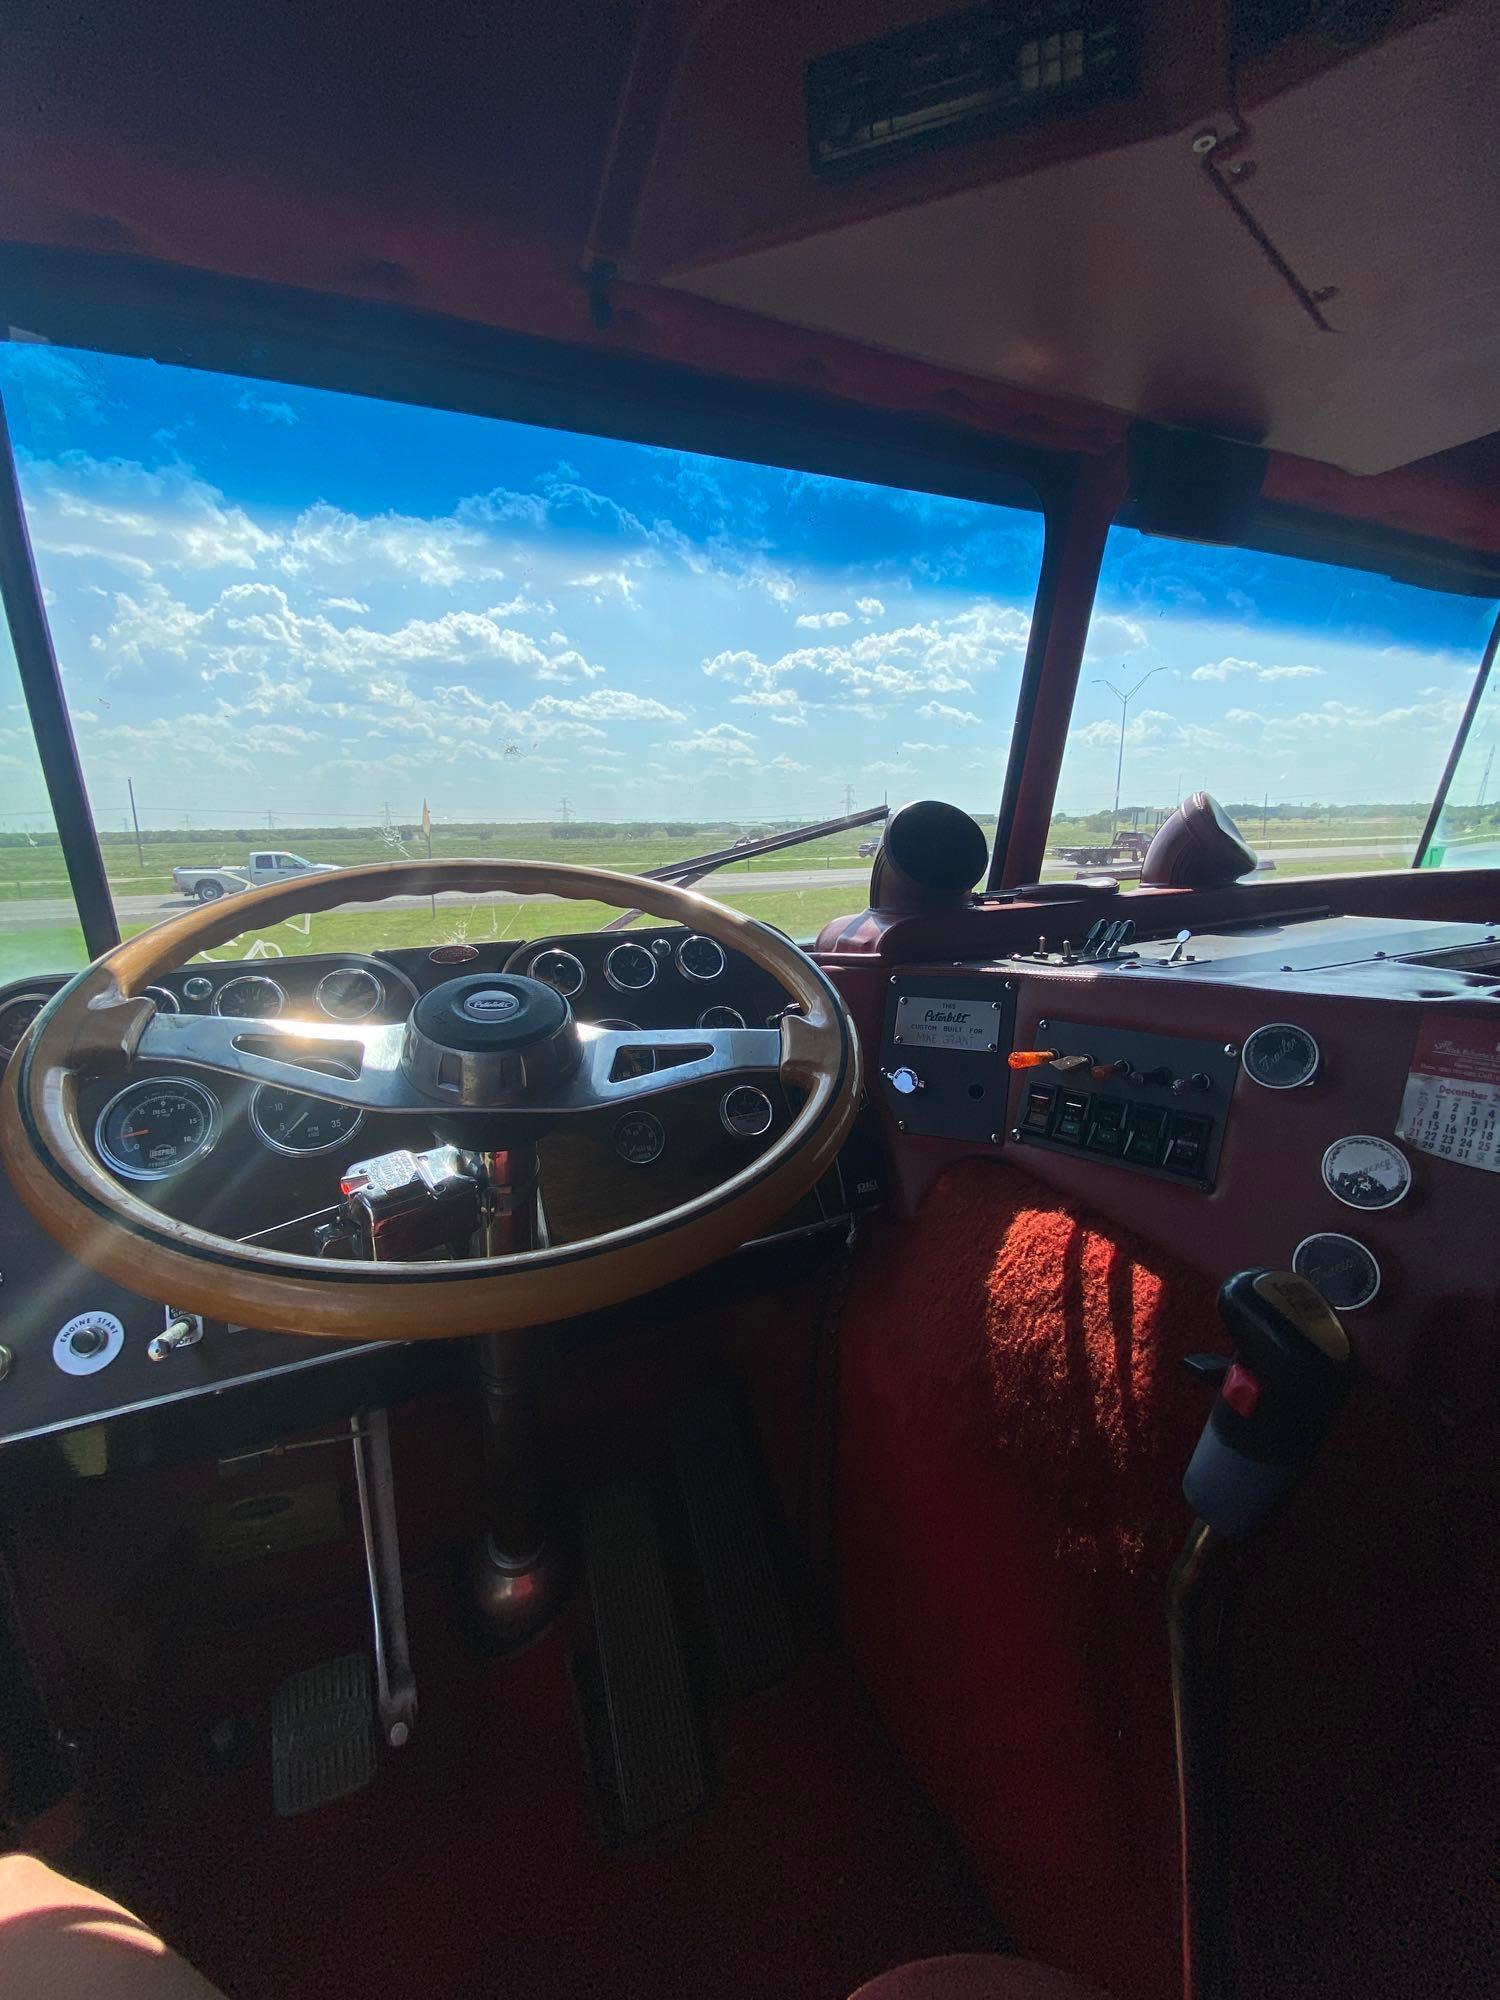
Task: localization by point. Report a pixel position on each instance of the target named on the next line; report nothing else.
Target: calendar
(1451, 1105)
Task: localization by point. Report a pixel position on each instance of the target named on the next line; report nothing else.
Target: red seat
(975, 1976)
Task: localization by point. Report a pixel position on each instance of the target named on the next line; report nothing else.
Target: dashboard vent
(964, 76)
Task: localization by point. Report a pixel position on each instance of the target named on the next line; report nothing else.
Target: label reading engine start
(1451, 1104)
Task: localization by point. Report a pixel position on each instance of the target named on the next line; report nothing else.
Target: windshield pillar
(1077, 527)
(47, 706)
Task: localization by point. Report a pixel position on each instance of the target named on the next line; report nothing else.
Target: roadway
(149, 909)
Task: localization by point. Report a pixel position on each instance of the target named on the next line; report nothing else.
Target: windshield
(349, 627)
(1317, 704)
(1467, 833)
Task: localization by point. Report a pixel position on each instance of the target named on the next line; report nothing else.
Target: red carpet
(1014, 1424)
(473, 1867)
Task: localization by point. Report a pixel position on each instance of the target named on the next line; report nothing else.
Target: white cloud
(940, 711)
(1111, 635)
(821, 621)
(869, 607)
(345, 604)
(269, 411)
(724, 743)
(922, 749)
(1232, 669)
(115, 511)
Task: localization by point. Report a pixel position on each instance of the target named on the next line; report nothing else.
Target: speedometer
(157, 1127)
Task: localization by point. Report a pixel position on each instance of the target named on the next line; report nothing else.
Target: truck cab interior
(799, 1290)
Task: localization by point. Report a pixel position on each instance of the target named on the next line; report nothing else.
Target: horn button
(490, 1038)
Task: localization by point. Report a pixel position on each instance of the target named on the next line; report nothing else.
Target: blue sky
(276, 599)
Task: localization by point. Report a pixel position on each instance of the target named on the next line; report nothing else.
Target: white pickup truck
(207, 885)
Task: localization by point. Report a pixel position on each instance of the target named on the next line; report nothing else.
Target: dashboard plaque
(929, 1021)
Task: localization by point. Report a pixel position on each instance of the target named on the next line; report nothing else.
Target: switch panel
(1156, 1104)
(942, 1058)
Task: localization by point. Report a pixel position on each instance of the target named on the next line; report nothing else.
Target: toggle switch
(1031, 1058)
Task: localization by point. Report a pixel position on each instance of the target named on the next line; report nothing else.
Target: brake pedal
(322, 1734)
(747, 1610)
(649, 1760)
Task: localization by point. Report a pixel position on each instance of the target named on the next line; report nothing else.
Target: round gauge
(1342, 1269)
(560, 970)
(721, 1017)
(88, 1342)
(700, 957)
(289, 1121)
(639, 1138)
(16, 1016)
(746, 1111)
(629, 1062)
(629, 968)
(166, 1000)
(1280, 1056)
(250, 997)
(349, 993)
(157, 1127)
(197, 987)
(1365, 1172)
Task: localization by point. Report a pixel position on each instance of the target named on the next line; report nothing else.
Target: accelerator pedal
(322, 1734)
(648, 1758)
(747, 1610)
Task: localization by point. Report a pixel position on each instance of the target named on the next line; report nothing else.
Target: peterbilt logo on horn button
(492, 1003)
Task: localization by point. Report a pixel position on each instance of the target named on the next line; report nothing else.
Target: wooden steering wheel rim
(92, 1025)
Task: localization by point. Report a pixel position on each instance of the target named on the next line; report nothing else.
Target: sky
(275, 601)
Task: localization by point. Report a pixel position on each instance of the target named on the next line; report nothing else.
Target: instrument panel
(264, 1161)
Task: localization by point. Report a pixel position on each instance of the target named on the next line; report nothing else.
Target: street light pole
(1124, 696)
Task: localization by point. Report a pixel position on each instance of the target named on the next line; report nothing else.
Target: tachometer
(630, 968)
(289, 1121)
(156, 1127)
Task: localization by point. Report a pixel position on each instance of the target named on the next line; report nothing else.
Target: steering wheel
(500, 1044)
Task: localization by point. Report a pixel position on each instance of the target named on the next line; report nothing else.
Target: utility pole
(1265, 813)
(566, 809)
(135, 821)
(848, 800)
(1124, 696)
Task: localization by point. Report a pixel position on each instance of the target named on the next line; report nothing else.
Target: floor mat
(474, 1866)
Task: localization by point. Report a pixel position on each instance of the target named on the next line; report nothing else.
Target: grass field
(59, 947)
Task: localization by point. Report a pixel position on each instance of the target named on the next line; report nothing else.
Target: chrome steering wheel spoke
(379, 1068)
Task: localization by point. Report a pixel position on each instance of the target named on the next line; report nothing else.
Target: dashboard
(1316, 1092)
(264, 1162)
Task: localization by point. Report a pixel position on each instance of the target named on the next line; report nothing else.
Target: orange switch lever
(1030, 1058)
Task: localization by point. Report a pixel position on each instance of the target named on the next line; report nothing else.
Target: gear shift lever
(1277, 1399)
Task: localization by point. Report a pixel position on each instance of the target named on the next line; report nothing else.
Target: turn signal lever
(1277, 1399)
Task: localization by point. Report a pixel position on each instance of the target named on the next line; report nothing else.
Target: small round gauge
(1365, 1172)
(721, 1017)
(349, 993)
(639, 1138)
(746, 1111)
(1280, 1056)
(700, 957)
(166, 1000)
(630, 968)
(157, 1127)
(1342, 1269)
(16, 1016)
(289, 1121)
(560, 970)
(250, 997)
(629, 1062)
(197, 987)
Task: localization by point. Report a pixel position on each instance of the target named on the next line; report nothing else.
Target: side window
(1316, 703)
(262, 861)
